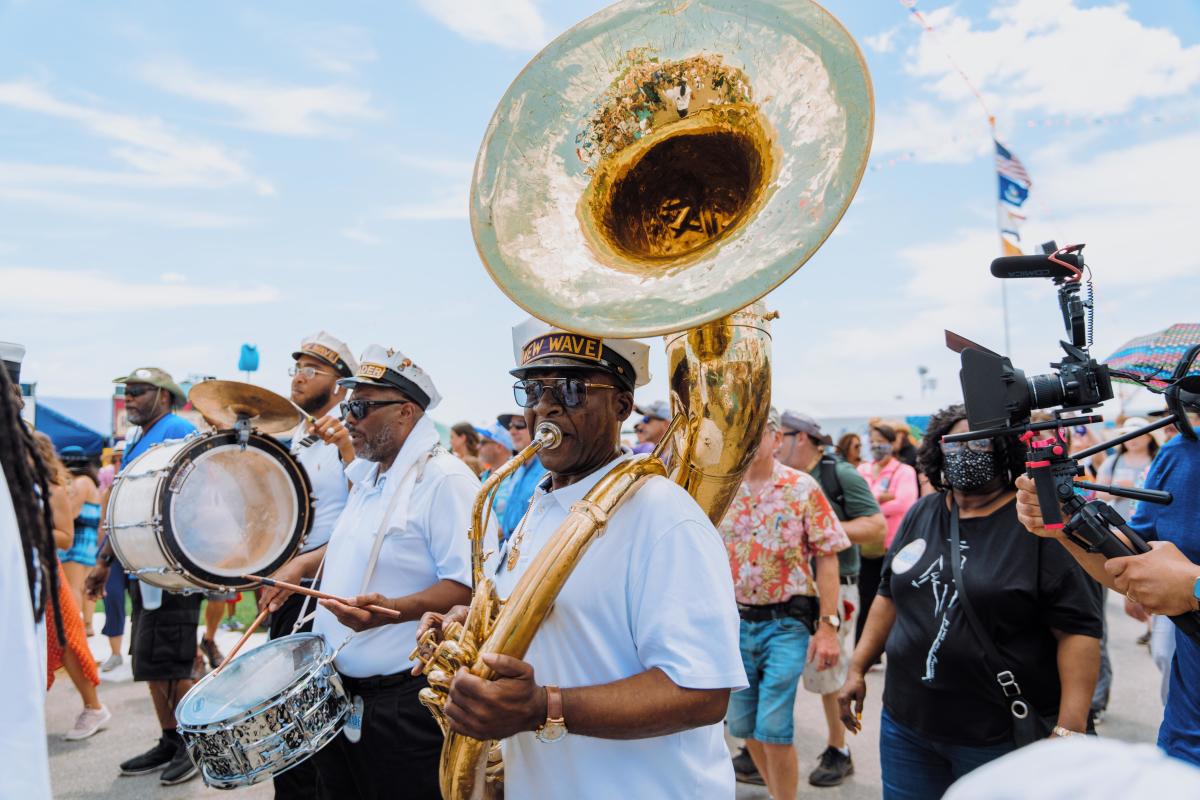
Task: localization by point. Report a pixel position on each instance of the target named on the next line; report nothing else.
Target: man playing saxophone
(625, 684)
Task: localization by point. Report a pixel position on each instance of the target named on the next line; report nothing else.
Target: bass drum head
(231, 511)
(249, 680)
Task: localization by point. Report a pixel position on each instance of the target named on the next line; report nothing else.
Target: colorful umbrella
(1153, 357)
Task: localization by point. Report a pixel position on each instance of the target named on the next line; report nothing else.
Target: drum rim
(165, 529)
(324, 661)
(153, 523)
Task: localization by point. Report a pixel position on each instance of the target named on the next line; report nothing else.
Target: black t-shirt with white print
(1020, 587)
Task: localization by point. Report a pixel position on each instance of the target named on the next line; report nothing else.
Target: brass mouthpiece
(549, 434)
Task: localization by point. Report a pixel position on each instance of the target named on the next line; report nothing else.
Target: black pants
(398, 753)
(868, 585)
(299, 782)
(164, 638)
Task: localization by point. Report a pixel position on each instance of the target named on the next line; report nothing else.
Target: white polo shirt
(327, 475)
(653, 591)
(425, 542)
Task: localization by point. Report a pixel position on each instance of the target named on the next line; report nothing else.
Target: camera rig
(1000, 399)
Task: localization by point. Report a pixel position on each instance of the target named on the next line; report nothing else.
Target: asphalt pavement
(87, 770)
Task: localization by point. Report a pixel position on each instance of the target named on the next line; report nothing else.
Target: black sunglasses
(360, 408)
(138, 391)
(567, 392)
(517, 425)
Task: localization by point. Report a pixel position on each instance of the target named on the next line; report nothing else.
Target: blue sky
(178, 179)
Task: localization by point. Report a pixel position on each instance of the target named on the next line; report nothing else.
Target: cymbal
(222, 403)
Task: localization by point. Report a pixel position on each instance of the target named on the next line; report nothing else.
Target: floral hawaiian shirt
(772, 537)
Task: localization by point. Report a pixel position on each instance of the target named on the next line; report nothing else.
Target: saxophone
(635, 182)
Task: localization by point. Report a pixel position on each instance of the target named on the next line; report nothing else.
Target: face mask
(967, 470)
(881, 451)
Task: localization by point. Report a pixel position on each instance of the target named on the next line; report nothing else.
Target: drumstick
(253, 627)
(387, 612)
(309, 418)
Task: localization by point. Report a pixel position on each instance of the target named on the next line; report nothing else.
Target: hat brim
(355, 382)
(296, 355)
(553, 363)
(646, 411)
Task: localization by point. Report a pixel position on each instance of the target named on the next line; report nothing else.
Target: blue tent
(64, 431)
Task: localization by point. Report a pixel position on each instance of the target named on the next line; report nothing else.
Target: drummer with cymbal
(400, 542)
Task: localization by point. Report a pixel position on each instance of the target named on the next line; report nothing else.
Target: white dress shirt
(653, 591)
(22, 670)
(327, 475)
(425, 542)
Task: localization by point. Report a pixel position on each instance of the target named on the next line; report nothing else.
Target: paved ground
(87, 770)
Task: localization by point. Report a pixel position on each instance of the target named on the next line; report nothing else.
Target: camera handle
(1091, 527)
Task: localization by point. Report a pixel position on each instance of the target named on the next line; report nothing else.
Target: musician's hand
(93, 584)
(433, 621)
(496, 709)
(272, 597)
(851, 699)
(331, 430)
(1029, 510)
(1161, 581)
(357, 618)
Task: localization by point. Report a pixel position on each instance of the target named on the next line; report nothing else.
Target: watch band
(833, 620)
(554, 705)
(1062, 732)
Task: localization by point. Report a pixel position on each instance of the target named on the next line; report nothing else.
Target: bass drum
(200, 513)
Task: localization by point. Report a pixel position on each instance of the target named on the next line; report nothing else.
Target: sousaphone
(657, 169)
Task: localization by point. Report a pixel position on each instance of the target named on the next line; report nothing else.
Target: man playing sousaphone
(624, 686)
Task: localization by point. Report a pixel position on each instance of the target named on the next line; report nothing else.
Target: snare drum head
(250, 679)
(236, 511)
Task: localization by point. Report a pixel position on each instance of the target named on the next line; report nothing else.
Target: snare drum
(204, 511)
(267, 711)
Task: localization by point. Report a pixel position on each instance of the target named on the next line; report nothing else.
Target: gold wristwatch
(554, 728)
(833, 619)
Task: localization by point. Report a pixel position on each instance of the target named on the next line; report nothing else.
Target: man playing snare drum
(400, 542)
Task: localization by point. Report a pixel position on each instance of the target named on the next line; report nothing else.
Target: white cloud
(445, 206)
(109, 208)
(883, 42)
(62, 291)
(1045, 57)
(515, 24)
(340, 49)
(146, 143)
(360, 234)
(264, 106)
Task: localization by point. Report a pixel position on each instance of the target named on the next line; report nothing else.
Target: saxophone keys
(439, 679)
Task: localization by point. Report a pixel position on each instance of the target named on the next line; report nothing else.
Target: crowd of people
(898, 551)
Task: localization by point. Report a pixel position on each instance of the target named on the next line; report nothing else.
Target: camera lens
(1045, 391)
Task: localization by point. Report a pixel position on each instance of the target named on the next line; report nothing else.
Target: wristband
(1063, 733)
(108, 559)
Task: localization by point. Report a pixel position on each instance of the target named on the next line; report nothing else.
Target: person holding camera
(777, 526)
(1165, 580)
(981, 625)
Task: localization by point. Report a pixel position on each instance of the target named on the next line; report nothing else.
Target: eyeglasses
(360, 408)
(974, 445)
(307, 372)
(567, 392)
(517, 425)
(138, 391)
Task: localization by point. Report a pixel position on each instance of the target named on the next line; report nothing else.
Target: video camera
(1000, 401)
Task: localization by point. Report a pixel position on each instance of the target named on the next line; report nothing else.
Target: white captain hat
(331, 350)
(388, 368)
(537, 345)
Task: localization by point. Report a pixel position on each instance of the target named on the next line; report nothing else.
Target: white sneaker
(112, 662)
(89, 722)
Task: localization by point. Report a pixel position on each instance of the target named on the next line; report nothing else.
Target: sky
(177, 179)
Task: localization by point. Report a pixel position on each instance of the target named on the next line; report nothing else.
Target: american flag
(1011, 167)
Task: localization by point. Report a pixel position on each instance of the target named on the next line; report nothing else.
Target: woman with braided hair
(28, 589)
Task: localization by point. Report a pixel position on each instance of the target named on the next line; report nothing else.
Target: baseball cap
(795, 421)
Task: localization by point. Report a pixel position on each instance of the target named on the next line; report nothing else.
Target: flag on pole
(1014, 191)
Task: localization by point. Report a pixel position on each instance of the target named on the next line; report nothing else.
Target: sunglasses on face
(307, 372)
(517, 425)
(360, 408)
(974, 445)
(138, 391)
(567, 392)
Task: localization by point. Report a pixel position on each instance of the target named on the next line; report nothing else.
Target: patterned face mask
(966, 469)
(880, 451)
